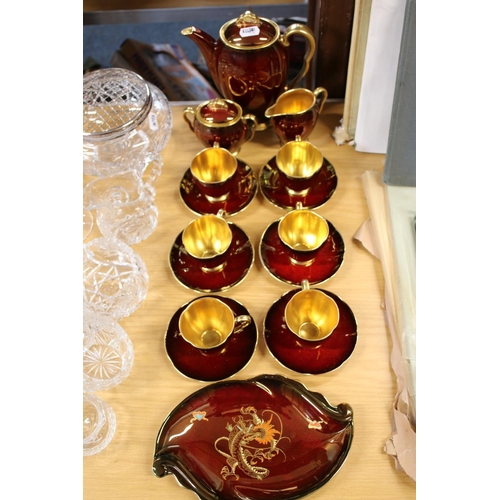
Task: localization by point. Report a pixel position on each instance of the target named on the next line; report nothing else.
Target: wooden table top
(154, 387)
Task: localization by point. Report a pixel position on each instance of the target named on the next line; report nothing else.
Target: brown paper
(374, 235)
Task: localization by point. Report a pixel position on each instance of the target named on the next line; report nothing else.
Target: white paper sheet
(379, 75)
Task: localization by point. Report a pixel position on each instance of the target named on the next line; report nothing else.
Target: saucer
(304, 356)
(210, 365)
(242, 191)
(276, 258)
(189, 272)
(273, 186)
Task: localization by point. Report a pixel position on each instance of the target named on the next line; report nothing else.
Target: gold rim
(207, 123)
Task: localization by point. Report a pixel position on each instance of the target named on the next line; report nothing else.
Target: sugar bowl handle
(185, 114)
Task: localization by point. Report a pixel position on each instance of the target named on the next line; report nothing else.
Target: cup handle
(323, 95)
(251, 127)
(185, 114)
(241, 322)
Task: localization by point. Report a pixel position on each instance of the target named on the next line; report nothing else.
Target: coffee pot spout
(207, 44)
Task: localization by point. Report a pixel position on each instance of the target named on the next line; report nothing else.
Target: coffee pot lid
(249, 32)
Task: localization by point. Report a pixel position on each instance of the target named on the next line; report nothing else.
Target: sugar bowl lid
(219, 112)
(249, 32)
(115, 101)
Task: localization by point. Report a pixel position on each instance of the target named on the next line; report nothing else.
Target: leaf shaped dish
(266, 437)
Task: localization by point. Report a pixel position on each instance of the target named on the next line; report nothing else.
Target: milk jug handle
(322, 94)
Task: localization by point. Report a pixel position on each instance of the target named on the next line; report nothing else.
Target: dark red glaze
(238, 259)
(230, 137)
(277, 258)
(288, 127)
(251, 69)
(305, 356)
(253, 79)
(210, 365)
(243, 189)
(264, 438)
(274, 183)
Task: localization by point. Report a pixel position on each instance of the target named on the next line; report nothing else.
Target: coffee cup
(296, 112)
(208, 322)
(207, 239)
(221, 121)
(212, 170)
(311, 314)
(303, 232)
(299, 161)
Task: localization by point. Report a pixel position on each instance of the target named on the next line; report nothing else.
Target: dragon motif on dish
(251, 441)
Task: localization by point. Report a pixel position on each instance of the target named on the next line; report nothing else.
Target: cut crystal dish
(267, 437)
(108, 353)
(126, 122)
(99, 424)
(115, 278)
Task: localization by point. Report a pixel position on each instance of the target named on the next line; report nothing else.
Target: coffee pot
(249, 63)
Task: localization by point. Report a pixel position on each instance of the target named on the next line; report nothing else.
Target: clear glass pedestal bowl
(115, 278)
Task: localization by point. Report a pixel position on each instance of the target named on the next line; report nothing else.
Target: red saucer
(304, 356)
(273, 185)
(276, 258)
(210, 365)
(188, 270)
(242, 191)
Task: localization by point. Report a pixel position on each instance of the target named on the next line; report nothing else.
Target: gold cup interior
(206, 323)
(299, 159)
(214, 165)
(312, 315)
(293, 102)
(207, 237)
(303, 230)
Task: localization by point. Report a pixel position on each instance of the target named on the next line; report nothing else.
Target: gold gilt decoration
(251, 441)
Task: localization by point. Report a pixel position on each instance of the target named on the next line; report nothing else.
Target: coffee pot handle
(306, 32)
(185, 114)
